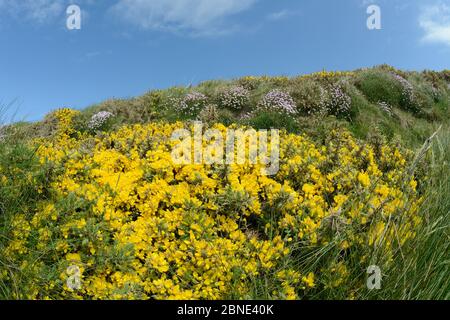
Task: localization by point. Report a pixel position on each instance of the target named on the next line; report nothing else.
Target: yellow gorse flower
(142, 227)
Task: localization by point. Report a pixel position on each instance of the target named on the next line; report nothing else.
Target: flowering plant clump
(99, 120)
(278, 101)
(235, 98)
(338, 103)
(310, 96)
(247, 115)
(408, 89)
(2, 132)
(385, 107)
(134, 225)
(192, 103)
(436, 93)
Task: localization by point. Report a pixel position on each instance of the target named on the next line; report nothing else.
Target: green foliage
(273, 120)
(380, 86)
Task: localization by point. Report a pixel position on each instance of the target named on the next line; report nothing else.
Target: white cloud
(275, 16)
(283, 14)
(40, 11)
(365, 3)
(200, 17)
(435, 21)
(197, 17)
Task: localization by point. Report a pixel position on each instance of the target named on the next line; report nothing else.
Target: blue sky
(127, 47)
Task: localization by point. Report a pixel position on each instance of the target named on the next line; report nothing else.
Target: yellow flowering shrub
(139, 226)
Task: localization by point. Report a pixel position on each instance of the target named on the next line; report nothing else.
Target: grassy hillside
(394, 102)
(364, 180)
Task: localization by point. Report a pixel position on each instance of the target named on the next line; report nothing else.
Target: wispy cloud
(365, 3)
(435, 22)
(198, 17)
(40, 11)
(193, 17)
(280, 15)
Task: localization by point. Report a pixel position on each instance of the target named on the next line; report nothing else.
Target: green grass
(422, 270)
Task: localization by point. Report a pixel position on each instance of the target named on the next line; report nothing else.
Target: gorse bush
(111, 204)
(138, 226)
